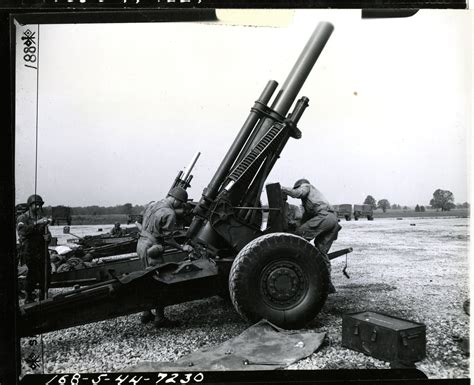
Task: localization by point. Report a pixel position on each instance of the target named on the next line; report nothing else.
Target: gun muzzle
(303, 66)
(190, 167)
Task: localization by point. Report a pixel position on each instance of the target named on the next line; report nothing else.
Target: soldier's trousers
(323, 228)
(142, 251)
(39, 269)
(143, 245)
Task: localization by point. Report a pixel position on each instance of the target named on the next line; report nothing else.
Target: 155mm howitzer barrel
(296, 78)
(300, 71)
(191, 165)
(213, 187)
(280, 107)
(239, 141)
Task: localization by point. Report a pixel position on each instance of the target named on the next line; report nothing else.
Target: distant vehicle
(61, 213)
(363, 211)
(343, 211)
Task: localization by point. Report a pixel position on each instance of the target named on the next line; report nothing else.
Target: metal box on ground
(384, 337)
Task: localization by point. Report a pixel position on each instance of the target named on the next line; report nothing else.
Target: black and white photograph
(263, 190)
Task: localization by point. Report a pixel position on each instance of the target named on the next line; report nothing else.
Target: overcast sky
(123, 107)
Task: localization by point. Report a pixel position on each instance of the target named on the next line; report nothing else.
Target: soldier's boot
(147, 316)
(161, 321)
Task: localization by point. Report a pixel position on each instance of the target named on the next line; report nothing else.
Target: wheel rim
(283, 284)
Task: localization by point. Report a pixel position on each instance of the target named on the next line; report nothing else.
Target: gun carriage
(267, 272)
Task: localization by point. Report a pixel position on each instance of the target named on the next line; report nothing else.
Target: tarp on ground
(262, 346)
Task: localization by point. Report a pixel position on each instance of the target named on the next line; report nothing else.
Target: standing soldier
(319, 220)
(34, 237)
(159, 220)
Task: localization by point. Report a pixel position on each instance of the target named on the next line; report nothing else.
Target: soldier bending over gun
(159, 220)
(319, 220)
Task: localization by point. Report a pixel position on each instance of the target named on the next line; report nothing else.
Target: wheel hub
(283, 284)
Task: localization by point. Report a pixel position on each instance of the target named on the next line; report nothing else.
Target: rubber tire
(370, 218)
(245, 280)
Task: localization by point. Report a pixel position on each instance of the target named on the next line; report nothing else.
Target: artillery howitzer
(268, 273)
(98, 258)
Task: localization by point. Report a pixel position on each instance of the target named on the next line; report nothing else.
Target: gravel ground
(415, 268)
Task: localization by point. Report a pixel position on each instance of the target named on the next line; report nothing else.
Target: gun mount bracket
(187, 268)
(264, 110)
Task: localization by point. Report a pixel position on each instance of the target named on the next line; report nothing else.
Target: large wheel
(279, 277)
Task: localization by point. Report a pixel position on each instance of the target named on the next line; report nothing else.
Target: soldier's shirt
(159, 218)
(30, 235)
(312, 199)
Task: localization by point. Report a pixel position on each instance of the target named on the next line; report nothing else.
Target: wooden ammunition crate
(384, 337)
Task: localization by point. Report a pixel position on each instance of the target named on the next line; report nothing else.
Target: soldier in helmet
(34, 237)
(159, 220)
(117, 230)
(319, 221)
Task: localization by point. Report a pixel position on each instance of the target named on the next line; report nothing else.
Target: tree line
(127, 209)
(442, 200)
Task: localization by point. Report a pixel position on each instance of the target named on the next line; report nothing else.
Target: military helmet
(299, 182)
(178, 193)
(34, 199)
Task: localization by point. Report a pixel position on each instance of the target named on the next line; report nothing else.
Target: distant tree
(422, 209)
(405, 207)
(127, 208)
(442, 199)
(383, 204)
(466, 205)
(138, 209)
(47, 210)
(417, 208)
(370, 201)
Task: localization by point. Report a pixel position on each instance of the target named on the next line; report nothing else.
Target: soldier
(319, 221)
(159, 220)
(117, 230)
(34, 237)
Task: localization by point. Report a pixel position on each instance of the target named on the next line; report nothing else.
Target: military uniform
(159, 219)
(117, 231)
(34, 251)
(319, 220)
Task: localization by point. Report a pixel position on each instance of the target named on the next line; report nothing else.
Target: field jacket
(313, 200)
(31, 236)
